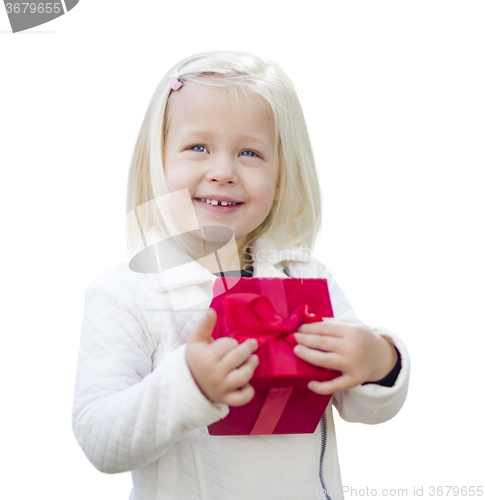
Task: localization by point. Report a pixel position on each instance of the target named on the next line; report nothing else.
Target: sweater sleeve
(372, 403)
(366, 403)
(127, 414)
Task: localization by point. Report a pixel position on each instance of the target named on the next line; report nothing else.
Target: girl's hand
(361, 354)
(221, 368)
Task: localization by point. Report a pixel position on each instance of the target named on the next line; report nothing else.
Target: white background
(393, 94)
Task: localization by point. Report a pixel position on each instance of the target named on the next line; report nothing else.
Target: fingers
(316, 341)
(239, 377)
(222, 346)
(239, 354)
(218, 376)
(234, 389)
(329, 326)
(329, 387)
(316, 357)
(240, 397)
(203, 332)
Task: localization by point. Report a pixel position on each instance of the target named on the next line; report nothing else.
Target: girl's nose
(222, 172)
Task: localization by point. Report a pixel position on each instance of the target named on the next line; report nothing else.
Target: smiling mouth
(219, 203)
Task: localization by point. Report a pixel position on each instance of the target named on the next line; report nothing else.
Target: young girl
(228, 129)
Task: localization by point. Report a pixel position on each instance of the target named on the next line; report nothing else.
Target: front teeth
(215, 202)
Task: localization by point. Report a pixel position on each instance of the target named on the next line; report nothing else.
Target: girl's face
(222, 150)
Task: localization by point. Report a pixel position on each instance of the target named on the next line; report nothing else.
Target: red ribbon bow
(252, 316)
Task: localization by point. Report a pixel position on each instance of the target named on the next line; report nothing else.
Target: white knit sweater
(137, 407)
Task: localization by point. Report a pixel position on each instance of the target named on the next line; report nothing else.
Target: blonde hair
(295, 218)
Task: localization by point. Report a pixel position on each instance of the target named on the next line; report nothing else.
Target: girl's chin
(213, 235)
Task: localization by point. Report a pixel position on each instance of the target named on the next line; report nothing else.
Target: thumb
(203, 332)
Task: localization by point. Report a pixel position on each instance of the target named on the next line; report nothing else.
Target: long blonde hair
(295, 218)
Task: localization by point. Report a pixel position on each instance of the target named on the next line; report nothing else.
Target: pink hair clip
(175, 82)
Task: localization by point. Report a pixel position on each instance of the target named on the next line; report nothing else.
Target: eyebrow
(245, 137)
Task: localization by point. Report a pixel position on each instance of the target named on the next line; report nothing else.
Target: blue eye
(198, 149)
(251, 153)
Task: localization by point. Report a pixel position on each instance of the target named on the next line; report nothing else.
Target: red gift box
(271, 310)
